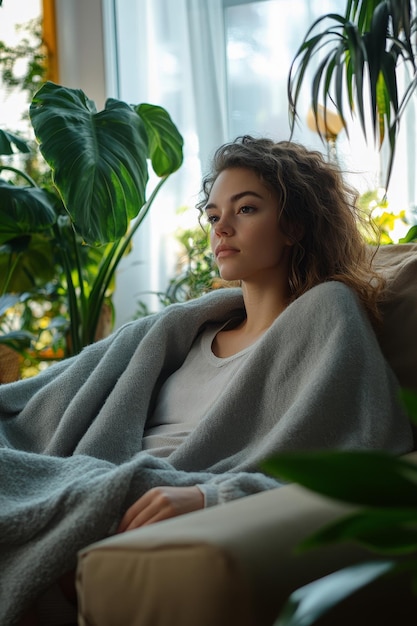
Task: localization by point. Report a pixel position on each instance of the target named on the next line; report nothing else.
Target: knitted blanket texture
(70, 438)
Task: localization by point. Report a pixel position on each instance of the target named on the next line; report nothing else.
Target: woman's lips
(224, 251)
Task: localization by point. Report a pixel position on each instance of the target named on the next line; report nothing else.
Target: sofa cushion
(398, 336)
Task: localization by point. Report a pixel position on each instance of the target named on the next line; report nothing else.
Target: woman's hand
(161, 503)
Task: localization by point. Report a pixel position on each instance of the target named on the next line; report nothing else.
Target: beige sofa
(235, 564)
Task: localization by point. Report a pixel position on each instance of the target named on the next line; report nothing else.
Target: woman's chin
(229, 277)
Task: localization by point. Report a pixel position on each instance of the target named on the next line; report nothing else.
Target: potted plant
(356, 53)
(73, 234)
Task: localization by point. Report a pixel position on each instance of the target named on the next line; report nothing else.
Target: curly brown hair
(318, 211)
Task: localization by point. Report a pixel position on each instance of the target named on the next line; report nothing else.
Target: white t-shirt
(188, 393)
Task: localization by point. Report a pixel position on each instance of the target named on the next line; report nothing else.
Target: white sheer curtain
(171, 54)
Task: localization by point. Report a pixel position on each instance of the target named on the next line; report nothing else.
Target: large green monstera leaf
(100, 159)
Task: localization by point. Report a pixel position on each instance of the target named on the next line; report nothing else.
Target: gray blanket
(70, 455)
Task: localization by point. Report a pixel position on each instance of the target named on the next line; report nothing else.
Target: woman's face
(245, 236)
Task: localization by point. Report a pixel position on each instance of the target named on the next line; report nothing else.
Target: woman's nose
(223, 226)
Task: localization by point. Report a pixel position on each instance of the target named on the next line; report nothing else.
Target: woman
(282, 221)
(177, 411)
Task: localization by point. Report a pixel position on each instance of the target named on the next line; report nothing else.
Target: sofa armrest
(231, 564)
(236, 560)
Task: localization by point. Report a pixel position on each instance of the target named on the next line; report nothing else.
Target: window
(14, 102)
(220, 68)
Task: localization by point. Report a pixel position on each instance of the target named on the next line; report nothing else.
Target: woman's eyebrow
(235, 197)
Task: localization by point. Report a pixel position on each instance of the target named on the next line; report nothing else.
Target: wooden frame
(50, 40)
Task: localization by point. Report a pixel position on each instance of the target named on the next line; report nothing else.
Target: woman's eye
(247, 209)
(211, 219)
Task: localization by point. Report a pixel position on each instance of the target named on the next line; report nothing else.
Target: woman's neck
(263, 306)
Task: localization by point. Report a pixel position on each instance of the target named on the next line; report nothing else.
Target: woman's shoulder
(335, 289)
(331, 298)
(218, 301)
(217, 305)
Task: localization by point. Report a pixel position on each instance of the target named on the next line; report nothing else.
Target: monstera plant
(69, 236)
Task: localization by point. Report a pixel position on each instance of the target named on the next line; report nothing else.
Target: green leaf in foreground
(409, 399)
(385, 531)
(307, 604)
(366, 478)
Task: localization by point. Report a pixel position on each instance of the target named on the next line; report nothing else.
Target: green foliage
(71, 236)
(359, 52)
(103, 172)
(384, 224)
(15, 339)
(30, 50)
(411, 236)
(197, 272)
(7, 140)
(353, 477)
(44, 324)
(385, 489)
(24, 210)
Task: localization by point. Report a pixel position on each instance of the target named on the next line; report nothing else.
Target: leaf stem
(10, 271)
(111, 262)
(74, 347)
(9, 168)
